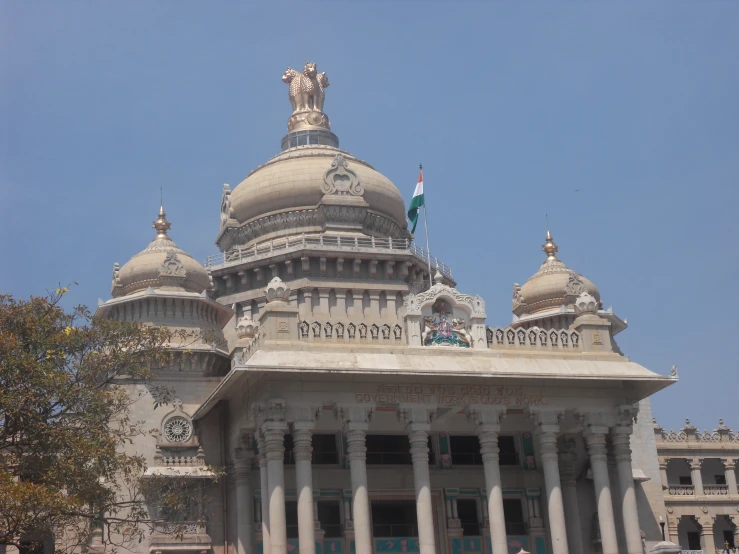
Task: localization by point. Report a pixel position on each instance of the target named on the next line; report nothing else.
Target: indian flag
(416, 202)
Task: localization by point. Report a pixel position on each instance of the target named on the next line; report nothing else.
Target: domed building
(360, 402)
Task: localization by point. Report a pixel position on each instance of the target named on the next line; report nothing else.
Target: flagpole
(426, 227)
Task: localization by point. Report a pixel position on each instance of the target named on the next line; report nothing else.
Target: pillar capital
(621, 441)
(729, 463)
(626, 414)
(354, 417)
(485, 418)
(598, 422)
(416, 418)
(663, 462)
(546, 420)
(695, 463)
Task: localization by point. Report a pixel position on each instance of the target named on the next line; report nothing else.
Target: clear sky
(618, 119)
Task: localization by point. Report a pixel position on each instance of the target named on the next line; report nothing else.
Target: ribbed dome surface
(161, 264)
(292, 182)
(554, 285)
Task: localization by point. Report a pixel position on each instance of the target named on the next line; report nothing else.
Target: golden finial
(549, 247)
(161, 224)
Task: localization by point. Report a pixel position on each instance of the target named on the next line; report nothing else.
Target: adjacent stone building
(361, 403)
(699, 479)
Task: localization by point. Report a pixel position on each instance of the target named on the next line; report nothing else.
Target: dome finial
(550, 247)
(161, 224)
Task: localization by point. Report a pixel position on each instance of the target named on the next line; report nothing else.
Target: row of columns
(696, 477)
(564, 531)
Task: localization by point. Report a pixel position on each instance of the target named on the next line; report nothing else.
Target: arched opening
(689, 533)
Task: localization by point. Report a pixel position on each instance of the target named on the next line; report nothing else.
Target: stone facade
(344, 386)
(699, 478)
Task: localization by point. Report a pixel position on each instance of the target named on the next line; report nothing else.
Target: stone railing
(535, 338)
(354, 244)
(343, 332)
(179, 461)
(691, 552)
(681, 490)
(716, 490)
(180, 528)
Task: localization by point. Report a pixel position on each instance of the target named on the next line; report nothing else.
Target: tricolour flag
(416, 202)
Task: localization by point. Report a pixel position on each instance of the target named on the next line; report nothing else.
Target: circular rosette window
(177, 429)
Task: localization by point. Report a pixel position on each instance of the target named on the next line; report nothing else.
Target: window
(394, 519)
(694, 540)
(720, 479)
(392, 449)
(467, 511)
(325, 450)
(329, 514)
(466, 450)
(686, 480)
(728, 538)
(289, 447)
(513, 513)
(508, 455)
(291, 519)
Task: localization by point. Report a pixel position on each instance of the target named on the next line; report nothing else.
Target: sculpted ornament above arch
(443, 316)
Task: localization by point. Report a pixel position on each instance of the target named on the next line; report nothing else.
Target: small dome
(553, 286)
(160, 265)
(285, 196)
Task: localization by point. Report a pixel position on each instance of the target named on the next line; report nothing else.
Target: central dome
(311, 186)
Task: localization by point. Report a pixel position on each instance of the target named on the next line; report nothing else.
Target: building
(699, 480)
(360, 401)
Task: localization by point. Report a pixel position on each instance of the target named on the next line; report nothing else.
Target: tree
(64, 416)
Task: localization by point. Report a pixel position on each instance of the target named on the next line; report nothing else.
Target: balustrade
(716, 490)
(681, 490)
(372, 244)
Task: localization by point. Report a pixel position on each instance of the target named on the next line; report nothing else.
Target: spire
(161, 224)
(550, 248)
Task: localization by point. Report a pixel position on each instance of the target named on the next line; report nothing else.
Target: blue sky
(617, 119)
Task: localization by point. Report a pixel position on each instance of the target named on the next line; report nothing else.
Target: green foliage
(64, 418)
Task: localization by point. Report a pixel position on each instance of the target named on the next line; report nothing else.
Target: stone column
(302, 431)
(274, 429)
(418, 425)
(695, 475)
(567, 459)
(708, 544)
(356, 422)
(596, 429)
(729, 465)
(621, 440)
(663, 473)
(264, 483)
(546, 423)
(487, 425)
(244, 501)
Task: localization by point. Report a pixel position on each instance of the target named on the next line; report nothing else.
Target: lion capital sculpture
(307, 88)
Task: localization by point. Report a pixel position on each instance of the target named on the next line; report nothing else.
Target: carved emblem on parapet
(172, 266)
(443, 329)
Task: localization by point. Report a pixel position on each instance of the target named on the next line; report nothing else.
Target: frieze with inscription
(453, 395)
